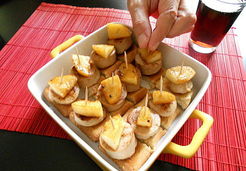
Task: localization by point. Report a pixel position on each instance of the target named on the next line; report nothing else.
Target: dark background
(20, 151)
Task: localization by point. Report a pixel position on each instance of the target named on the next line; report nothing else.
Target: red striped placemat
(50, 25)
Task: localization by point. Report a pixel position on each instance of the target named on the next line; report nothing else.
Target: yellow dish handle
(65, 45)
(189, 150)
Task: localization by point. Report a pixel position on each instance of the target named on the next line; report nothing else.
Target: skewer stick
(181, 68)
(112, 78)
(111, 120)
(125, 56)
(161, 83)
(86, 95)
(146, 102)
(77, 52)
(146, 99)
(62, 72)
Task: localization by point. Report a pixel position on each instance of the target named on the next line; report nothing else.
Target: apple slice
(82, 64)
(144, 118)
(113, 130)
(117, 31)
(180, 74)
(88, 108)
(162, 97)
(62, 85)
(149, 57)
(128, 74)
(103, 50)
(112, 89)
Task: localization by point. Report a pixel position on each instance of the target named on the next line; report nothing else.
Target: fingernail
(142, 40)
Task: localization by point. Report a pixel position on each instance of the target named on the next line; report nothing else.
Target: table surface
(28, 152)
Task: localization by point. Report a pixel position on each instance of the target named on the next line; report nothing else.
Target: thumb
(140, 20)
(167, 16)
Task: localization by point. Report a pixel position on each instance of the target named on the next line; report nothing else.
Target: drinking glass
(214, 19)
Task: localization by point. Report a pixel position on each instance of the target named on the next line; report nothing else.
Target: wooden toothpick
(112, 78)
(86, 95)
(111, 121)
(77, 52)
(146, 99)
(181, 69)
(125, 56)
(146, 102)
(62, 75)
(161, 84)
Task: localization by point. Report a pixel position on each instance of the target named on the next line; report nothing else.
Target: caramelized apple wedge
(88, 108)
(162, 97)
(103, 50)
(128, 74)
(149, 57)
(180, 74)
(144, 118)
(117, 31)
(113, 130)
(112, 89)
(62, 85)
(82, 64)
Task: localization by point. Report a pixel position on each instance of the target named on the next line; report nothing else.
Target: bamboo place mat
(223, 149)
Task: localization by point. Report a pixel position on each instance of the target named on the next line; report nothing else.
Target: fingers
(168, 10)
(185, 21)
(140, 20)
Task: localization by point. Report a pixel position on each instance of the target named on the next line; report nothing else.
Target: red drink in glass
(214, 19)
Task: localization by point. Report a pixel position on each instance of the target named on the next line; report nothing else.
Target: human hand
(174, 19)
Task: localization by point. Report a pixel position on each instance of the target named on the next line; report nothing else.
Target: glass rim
(233, 3)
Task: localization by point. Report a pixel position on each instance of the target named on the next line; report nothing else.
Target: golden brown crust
(63, 109)
(136, 161)
(136, 96)
(132, 88)
(131, 53)
(152, 141)
(127, 105)
(92, 91)
(167, 121)
(93, 132)
(156, 77)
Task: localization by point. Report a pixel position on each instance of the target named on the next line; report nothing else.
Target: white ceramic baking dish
(171, 57)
